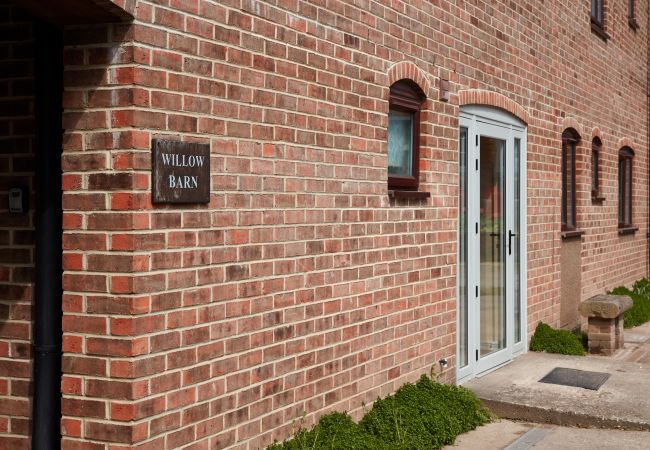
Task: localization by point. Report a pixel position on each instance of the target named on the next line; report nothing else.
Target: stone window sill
(633, 23)
(599, 31)
(627, 230)
(409, 194)
(569, 234)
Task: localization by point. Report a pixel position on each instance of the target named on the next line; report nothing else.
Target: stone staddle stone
(605, 306)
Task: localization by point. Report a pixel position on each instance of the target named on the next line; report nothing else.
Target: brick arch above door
(496, 99)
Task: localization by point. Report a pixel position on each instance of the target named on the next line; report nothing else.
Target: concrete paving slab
(637, 345)
(635, 338)
(508, 435)
(495, 435)
(532, 437)
(514, 392)
(563, 438)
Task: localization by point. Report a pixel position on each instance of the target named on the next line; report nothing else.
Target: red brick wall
(302, 287)
(101, 358)
(16, 230)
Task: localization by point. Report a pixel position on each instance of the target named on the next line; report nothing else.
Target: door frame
(476, 118)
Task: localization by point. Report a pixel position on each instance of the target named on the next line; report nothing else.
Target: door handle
(510, 236)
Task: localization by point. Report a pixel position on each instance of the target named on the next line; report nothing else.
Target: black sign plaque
(180, 172)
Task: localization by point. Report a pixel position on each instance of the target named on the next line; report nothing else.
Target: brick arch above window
(625, 142)
(596, 133)
(571, 123)
(492, 98)
(571, 133)
(408, 70)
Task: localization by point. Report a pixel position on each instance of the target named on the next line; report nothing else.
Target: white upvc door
(491, 285)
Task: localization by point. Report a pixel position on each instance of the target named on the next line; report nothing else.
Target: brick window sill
(409, 194)
(627, 230)
(570, 234)
(599, 31)
(597, 198)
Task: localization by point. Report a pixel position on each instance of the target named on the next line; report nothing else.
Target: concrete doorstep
(622, 402)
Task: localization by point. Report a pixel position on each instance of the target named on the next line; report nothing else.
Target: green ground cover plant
(335, 431)
(424, 415)
(640, 311)
(419, 416)
(583, 338)
(550, 340)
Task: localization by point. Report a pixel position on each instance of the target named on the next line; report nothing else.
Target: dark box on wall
(180, 172)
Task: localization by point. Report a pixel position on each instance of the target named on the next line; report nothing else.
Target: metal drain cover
(576, 378)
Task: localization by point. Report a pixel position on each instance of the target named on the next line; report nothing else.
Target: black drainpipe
(48, 74)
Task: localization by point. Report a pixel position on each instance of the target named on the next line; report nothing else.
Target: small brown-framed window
(405, 103)
(570, 139)
(625, 157)
(631, 14)
(596, 154)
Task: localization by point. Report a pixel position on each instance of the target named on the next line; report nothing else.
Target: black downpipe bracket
(48, 71)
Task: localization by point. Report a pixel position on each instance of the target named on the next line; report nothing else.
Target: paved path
(509, 435)
(637, 345)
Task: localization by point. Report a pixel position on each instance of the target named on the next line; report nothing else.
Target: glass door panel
(514, 238)
(492, 245)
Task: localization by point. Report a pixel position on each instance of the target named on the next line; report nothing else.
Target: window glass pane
(600, 11)
(570, 185)
(594, 8)
(517, 240)
(462, 252)
(594, 170)
(565, 147)
(400, 143)
(597, 10)
(628, 191)
(621, 201)
(492, 249)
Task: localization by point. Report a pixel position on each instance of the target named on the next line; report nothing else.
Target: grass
(550, 340)
(419, 416)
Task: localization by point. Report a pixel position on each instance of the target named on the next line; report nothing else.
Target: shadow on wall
(25, 106)
(17, 147)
